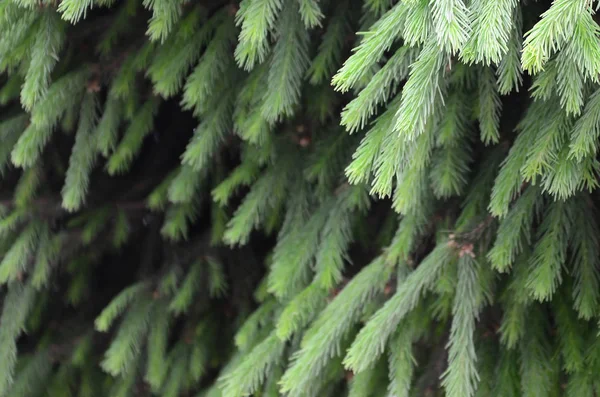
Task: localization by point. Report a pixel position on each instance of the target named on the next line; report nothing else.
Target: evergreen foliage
(363, 198)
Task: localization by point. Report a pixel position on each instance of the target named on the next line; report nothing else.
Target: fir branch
(336, 236)
(82, 157)
(133, 138)
(461, 377)
(419, 23)
(401, 361)
(183, 298)
(517, 302)
(507, 375)
(16, 307)
(551, 33)
(216, 62)
(287, 66)
(509, 180)
(199, 356)
(515, 230)
(550, 252)
(366, 383)
(322, 340)
(173, 59)
(28, 185)
(210, 133)
(44, 56)
(586, 130)
(537, 375)
(246, 336)
(49, 250)
(165, 14)
(243, 175)
(311, 13)
(492, 27)
(489, 107)
(451, 161)
(383, 85)
(217, 282)
(295, 251)
(108, 126)
(571, 338)
(585, 260)
(185, 184)
(266, 192)
(509, 69)
(367, 153)
(451, 24)
(415, 173)
(250, 373)
(178, 219)
(63, 95)
(388, 162)
(570, 84)
(125, 347)
(422, 93)
(567, 176)
(159, 197)
(300, 311)
(330, 49)
(257, 20)
(376, 41)
(18, 257)
(10, 131)
(74, 10)
(118, 305)
(175, 382)
(372, 339)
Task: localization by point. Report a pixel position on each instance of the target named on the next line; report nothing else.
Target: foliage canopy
(355, 198)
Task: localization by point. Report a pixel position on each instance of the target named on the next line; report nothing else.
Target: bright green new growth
(117, 306)
(256, 18)
(44, 50)
(422, 92)
(288, 64)
(451, 25)
(124, 349)
(15, 260)
(249, 375)
(371, 340)
(461, 377)
(322, 340)
(83, 157)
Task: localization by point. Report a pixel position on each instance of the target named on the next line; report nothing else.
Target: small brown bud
(93, 86)
(232, 9)
(304, 141)
(467, 249)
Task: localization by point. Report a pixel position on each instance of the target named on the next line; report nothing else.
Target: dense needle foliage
(325, 198)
